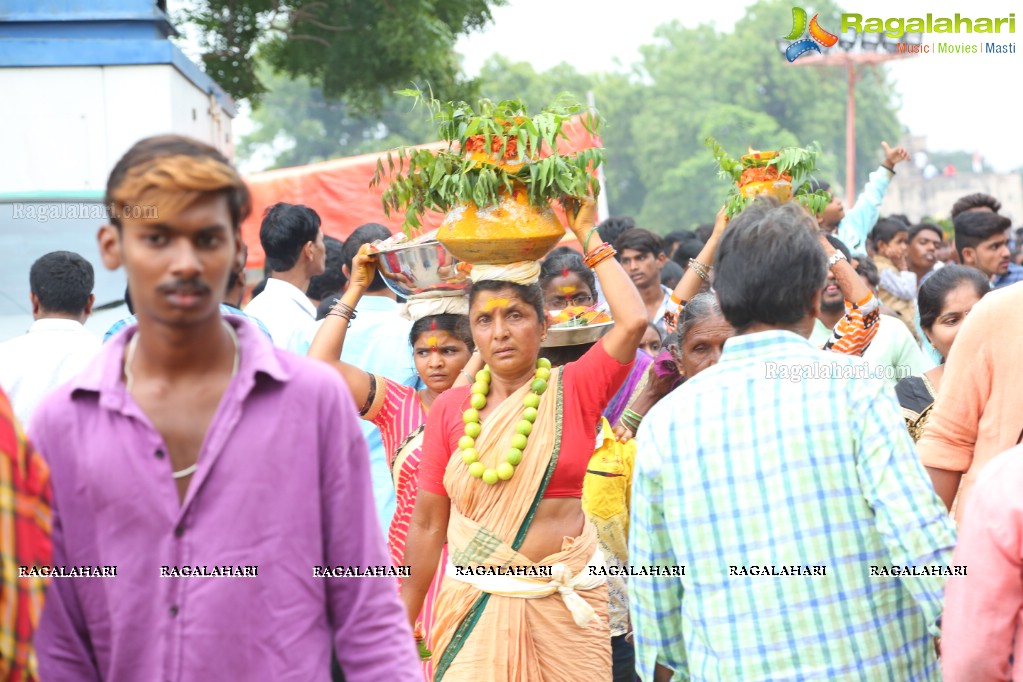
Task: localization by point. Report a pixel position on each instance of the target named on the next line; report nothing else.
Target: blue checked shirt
(736, 468)
(1015, 274)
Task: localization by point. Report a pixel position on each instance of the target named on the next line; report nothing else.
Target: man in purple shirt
(214, 474)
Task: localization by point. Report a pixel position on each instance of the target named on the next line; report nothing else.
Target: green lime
(469, 455)
(476, 469)
(539, 386)
(513, 456)
(481, 387)
(490, 477)
(543, 373)
(466, 442)
(505, 471)
(471, 416)
(478, 401)
(531, 400)
(524, 427)
(473, 430)
(483, 376)
(529, 414)
(543, 362)
(518, 441)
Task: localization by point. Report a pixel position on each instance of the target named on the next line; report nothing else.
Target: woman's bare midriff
(556, 518)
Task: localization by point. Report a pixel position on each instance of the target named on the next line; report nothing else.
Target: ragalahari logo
(803, 45)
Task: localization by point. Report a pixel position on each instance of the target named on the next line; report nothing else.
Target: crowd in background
(828, 396)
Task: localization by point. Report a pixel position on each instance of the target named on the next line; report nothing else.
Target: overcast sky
(959, 102)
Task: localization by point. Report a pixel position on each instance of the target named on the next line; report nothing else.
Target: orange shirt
(979, 410)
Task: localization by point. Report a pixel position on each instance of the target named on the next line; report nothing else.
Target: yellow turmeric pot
(509, 232)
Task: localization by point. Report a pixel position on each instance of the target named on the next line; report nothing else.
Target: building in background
(80, 82)
(921, 189)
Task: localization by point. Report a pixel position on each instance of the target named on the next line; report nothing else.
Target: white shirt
(34, 364)
(287, 312)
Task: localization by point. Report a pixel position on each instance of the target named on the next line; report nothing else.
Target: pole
(850, 137)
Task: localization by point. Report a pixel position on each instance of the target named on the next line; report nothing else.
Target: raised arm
(691, 281)
(627, 307)
(858, 326)
(330, 338)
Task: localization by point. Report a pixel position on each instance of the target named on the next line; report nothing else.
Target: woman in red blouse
(500, 482)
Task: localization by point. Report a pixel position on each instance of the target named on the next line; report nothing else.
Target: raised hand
(893, 155)
(364, 267)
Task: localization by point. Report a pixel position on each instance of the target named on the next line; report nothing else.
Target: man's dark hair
(673, 238)
(901, 217)
(333, 278)
(285, 230)
(687, 248)
(326, 304)
(612, 228)
(868, 268)
(974, 227)
(671, 273)
(365, 234)
(703, 232)
(640, 240)
(923, 227)
(769, 265)
(933, 292)
(165, 173)
(63, 282)
(885, 230)
(974, 201)
(258, 289)
(839, 245)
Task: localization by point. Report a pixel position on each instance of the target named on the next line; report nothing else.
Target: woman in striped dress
(441, 347)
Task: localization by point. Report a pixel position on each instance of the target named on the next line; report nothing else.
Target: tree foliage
(358, 49)
(690, 84)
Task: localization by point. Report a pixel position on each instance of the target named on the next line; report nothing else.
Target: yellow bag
(608, 484)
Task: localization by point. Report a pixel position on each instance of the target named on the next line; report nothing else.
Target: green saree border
(467, 625)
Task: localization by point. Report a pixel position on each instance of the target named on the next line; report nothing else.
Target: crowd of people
(790, 457)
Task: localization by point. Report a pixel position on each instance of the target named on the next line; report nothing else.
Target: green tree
(736, 87)
(294, 124)
(359, 49)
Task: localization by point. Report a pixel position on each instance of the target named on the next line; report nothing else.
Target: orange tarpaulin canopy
(339, 191)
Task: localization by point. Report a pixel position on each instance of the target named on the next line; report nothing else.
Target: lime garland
(471, 417)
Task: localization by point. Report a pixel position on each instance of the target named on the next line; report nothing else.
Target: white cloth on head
(524, 272)
(435, 303)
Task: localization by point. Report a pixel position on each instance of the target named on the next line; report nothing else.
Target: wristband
(835, 257)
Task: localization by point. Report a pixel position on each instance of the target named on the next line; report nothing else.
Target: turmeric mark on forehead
(496, 303)
(432, 342)
(568, 289)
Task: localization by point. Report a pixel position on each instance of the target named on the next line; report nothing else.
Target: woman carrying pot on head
(441, 346)
(501, 480)
(568, 284)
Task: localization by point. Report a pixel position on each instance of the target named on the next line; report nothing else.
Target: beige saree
(478, 635)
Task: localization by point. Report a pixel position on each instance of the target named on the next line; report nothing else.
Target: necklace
(478, 400)
(129, 380)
